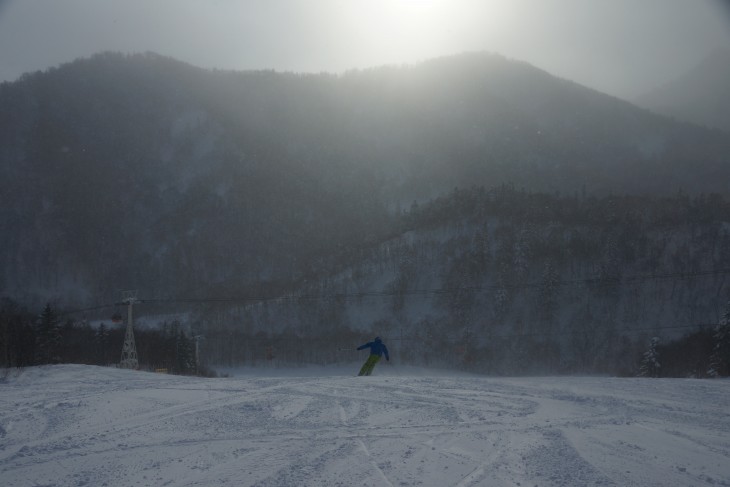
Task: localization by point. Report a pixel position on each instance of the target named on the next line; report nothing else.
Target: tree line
(521, 283)
(506, 281)
(702, 353)
(27, 339)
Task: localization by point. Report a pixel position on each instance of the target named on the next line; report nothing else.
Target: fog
(621, 47)
(473, 205)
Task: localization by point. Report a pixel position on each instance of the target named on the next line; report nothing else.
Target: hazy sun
(409, 30)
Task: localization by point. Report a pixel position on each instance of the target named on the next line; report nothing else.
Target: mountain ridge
(186, 179)
(701, 95)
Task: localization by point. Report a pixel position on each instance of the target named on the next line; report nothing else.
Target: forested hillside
(276, 210)
(501, 281)
(142, 172)
(507, 281)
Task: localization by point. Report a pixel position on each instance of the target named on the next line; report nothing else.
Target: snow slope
(80, 425)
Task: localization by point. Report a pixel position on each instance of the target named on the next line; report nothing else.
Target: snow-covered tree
(480, 254)
(502, 294)
(548, 292)
(650, 366)
(720, 358)
(521, 260)
(184, 354)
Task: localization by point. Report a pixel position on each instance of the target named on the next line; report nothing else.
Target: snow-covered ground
(80, 425)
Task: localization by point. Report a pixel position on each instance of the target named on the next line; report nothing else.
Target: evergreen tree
(650, 366)
(102, 345)
(548, 292)
(184, 354)
(502, 294)
(720, 358)
(521, 263)
(17, 337)
(609, 271)
(48, 337)
(480, 255)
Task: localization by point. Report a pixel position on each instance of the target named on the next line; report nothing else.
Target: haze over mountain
(333, 198)
(701, 96)
(127, 171)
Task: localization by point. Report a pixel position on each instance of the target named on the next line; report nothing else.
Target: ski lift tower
(129, 350)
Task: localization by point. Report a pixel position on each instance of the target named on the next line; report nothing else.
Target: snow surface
(81, 425)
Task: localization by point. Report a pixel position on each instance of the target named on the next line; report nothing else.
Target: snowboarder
(377, 349)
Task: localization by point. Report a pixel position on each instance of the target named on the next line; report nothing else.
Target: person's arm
(385, 351)
(363, 346)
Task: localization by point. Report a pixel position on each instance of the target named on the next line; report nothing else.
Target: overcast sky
(622, 47)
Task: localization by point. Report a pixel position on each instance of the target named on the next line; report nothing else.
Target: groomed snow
(73, 425)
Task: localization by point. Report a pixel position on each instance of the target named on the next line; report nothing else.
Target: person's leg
(372, 360)
(365, 366)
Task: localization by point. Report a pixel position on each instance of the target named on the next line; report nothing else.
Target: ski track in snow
(89, 426)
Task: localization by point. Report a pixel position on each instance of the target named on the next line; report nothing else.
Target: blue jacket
(377, 347)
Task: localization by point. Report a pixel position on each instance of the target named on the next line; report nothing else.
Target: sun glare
(411, 30)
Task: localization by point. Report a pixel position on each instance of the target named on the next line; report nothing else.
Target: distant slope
(576, 284)
(483, 119)
(143, 172)
(701, 96)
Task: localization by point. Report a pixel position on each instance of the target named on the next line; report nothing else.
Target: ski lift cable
(488, 335)
(610, 281)
(444, 291)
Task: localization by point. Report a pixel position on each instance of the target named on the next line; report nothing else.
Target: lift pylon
(129, 350)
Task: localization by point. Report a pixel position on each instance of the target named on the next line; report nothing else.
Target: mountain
(512, 282)
(142, 172)
(701, 96)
